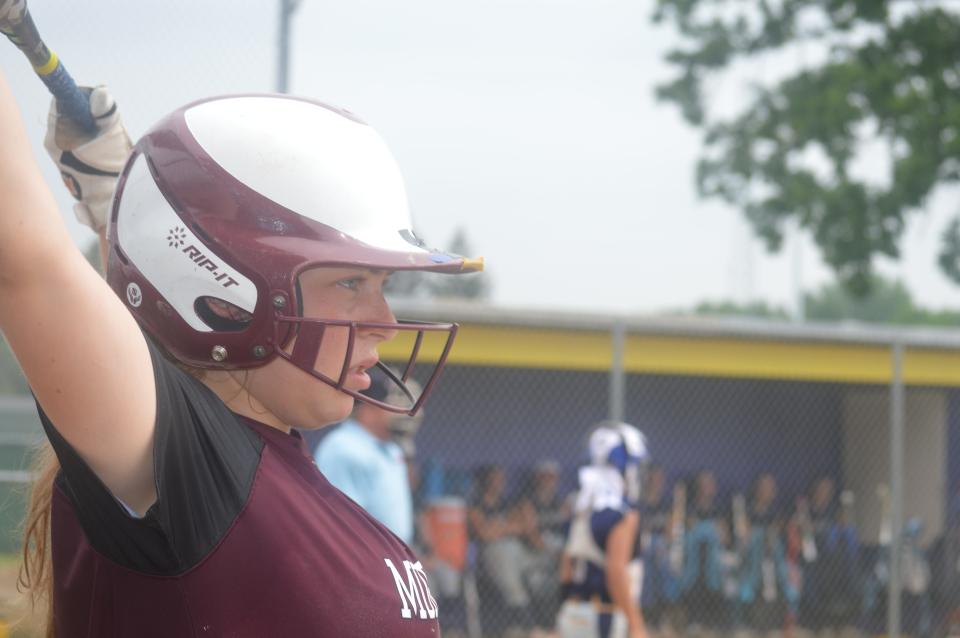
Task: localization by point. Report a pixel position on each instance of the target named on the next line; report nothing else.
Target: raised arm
(81, 351)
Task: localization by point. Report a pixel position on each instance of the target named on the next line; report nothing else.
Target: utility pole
(287, 8)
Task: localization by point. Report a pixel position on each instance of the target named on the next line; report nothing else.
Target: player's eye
(351, 283)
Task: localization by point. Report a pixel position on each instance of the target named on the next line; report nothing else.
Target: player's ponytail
(36, 570)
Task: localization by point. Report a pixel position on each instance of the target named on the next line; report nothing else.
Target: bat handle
(72, 101)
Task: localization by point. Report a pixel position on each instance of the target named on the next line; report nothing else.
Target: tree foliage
(892, 75)
(755, 309)
(887, 302)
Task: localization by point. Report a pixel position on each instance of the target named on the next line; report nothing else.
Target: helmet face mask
(227, 201)
(405, 397)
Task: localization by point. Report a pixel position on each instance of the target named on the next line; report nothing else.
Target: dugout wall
(736, 397)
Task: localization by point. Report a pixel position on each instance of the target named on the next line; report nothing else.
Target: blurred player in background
(501, 532)
(363, 461)
(601, 569)
(945, 576)
(707, 539)
(250, 241)
(832, 594)
(660, 583)
(765, 592)
(544, 503)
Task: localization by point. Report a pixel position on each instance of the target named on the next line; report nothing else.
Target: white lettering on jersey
(414, 593)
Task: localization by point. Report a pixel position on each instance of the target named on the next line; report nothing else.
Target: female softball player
(250, 238)
(601, 570)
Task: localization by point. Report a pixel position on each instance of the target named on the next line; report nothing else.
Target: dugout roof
(491, 336)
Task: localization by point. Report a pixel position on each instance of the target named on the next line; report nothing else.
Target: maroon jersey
(246, 539)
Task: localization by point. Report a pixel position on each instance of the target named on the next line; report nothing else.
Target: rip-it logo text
(177, 237)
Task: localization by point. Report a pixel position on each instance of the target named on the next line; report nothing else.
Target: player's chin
(332, 407)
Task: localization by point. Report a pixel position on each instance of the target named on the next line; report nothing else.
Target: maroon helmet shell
(232, 198)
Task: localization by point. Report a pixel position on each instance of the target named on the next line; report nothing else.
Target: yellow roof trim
(731, 357)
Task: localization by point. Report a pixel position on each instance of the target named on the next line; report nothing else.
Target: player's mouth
(357, 376)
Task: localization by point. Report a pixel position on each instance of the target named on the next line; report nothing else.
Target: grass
(14, 609)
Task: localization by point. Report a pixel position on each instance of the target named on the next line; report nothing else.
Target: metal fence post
(618, 337)
(287, 7)
(897, 427)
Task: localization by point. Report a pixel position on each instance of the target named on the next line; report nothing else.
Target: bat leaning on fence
(741, 522)
(885, 531)
(677, 531)
(17, 24)
(808, 542)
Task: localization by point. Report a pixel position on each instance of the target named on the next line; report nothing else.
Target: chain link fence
(788, 470)
(787, 491)
(19, 436)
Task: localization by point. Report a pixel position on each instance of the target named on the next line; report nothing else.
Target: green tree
(755, 309)
(891, 75)
(888, 302)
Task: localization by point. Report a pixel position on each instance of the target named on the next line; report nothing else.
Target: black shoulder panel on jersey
(205, 461)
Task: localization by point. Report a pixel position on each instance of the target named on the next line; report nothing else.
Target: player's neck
(238, 400)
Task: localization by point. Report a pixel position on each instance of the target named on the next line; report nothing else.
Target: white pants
(579, 619)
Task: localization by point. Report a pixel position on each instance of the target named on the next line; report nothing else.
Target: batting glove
(90, 165)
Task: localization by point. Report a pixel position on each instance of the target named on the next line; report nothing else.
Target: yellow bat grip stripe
(49, 67)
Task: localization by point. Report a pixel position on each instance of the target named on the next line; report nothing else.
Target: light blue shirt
(371, 472)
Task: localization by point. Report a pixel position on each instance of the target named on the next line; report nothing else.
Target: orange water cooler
(446, 523)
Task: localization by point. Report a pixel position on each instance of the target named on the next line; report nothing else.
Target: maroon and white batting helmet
(231, 199)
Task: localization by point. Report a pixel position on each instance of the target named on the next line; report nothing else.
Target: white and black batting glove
(90, 165)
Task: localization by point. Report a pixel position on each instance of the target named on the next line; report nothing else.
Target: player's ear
(222, 315)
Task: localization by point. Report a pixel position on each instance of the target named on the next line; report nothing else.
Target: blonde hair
(36, 570)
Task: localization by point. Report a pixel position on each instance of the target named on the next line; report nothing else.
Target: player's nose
(381, 313)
